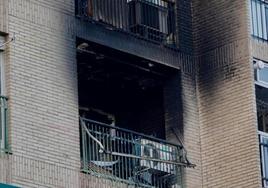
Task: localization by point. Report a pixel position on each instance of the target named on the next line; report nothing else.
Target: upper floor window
(259, 18)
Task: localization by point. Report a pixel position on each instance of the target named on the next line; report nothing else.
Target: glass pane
(251, 17)
(263, 14)
(259, 13)
(263, 75)
(254, 18)
(266, 21)
(259, 19)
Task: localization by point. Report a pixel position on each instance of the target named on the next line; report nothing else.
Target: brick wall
(229, 143)
(217, 23)
(184, 21)
(3, 16)
(181, 116)
(259, 49)
(42, 83)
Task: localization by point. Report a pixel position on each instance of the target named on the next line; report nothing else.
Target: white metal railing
(26, 172)
(130, 157)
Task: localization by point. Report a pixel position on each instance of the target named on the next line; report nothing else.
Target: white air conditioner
(154, 150)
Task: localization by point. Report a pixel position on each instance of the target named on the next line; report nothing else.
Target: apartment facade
(134, 93)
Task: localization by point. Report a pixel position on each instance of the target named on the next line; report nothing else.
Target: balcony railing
(25, 171)
(152, 20)
(130, 157)
(264, 157)
(3, 124)
(259, 19)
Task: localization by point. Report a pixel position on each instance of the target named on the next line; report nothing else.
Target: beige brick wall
(217, 23)
(191, 130)
(181, 116)
(3, 16)
(42, 83)
(229, 143)
(259, 49)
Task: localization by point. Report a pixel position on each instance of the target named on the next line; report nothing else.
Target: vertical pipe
(125, 151)
(118, 150)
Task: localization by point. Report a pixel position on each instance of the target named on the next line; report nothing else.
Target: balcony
(3, 124)
(129, 157)
(150, 20)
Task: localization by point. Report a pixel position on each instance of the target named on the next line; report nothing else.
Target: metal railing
(259, 18)
(3, 124)
(149, 19)
(264, 157)
(23, 171)
(130, 157)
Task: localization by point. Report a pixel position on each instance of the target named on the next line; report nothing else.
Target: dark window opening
(114, 86)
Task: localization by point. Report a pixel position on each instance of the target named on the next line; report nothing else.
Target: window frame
(3, 101)
(2, 131)
(257, 78)
(259, 19)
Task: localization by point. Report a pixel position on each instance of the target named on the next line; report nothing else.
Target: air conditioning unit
(149, 18)
(155, 150)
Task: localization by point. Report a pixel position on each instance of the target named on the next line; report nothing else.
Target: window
(262, 76)
(259, 18)
(264, 157)
(3, 104)
(261, 80)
